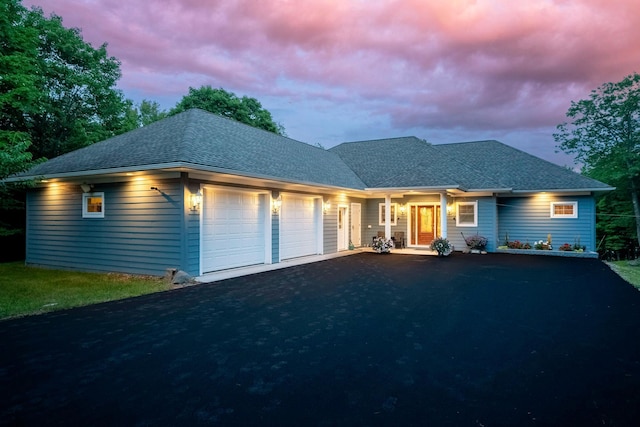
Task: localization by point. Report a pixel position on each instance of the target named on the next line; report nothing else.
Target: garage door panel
(299, 227)
(233, 229)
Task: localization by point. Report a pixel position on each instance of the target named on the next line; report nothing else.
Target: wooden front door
(425, 220)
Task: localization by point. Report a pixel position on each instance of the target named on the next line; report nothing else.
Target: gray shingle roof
(481, 165)
(201, 139)
(397, 162)
(516, 169)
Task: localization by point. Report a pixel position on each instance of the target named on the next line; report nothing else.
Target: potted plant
(382, 245)
(442, 246)
(477, 243)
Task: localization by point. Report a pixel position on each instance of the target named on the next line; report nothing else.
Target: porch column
(443, 215)
(387, 216)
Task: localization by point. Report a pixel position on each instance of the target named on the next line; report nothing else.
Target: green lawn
(628, 270)
(29, 290)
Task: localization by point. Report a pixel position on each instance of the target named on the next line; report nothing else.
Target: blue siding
(330, 227)
(330, 221)
(140, 232)
(487, 223)
(192, 239)
(371, 220)
(275, 238)
(528, 219)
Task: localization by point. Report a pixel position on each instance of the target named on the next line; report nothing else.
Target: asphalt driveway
(469, 340)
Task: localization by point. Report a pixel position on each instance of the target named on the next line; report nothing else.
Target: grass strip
(31, 290)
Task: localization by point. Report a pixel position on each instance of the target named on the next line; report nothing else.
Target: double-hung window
(467, 215)
(381, 214)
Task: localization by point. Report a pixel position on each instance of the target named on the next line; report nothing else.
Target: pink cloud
(412, 64)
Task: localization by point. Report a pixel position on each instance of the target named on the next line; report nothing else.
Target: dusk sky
(345, 70)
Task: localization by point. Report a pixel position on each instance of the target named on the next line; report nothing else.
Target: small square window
(467, 215)
(381, 214)
(564, 209)
(93, 205)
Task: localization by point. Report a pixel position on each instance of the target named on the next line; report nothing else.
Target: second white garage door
(234, 229)
(300, 226)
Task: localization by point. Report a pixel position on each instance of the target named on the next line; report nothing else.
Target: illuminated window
(467, 215)
(564, 209)
(381, 214)
(93, 205)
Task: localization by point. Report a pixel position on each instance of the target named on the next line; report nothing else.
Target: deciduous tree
(57, 92)
(604, 134)
(246, 110)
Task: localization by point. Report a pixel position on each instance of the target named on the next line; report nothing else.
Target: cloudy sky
(344, 70)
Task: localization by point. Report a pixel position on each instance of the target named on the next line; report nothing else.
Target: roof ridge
(234, 121)
(382, 139)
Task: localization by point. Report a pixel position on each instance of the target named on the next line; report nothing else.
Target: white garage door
(299, 226)
(233, 229)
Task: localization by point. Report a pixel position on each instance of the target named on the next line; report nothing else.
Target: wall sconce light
(196, 200)
(276, 204)
(451, 211)
(403, 209)
(326, 207)
(86, 188)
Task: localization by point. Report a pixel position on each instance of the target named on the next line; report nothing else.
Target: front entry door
(425, 220)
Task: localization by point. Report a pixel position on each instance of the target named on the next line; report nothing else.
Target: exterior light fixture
(196, 200)
(326, 207)
(276, 204)
(86, 188)
(451, 212)
(403, 209)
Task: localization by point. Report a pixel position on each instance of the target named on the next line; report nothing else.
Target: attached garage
(235, 229)
(300, 226)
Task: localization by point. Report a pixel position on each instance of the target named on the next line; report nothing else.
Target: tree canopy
(56, 88)
(246, 110)
(604, 134)
(57, 93)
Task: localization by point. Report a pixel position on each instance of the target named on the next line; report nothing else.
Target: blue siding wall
(275, 238)
(371, 220)
(192, 227)
(528, 219)
(141, 231)
(330, 227)
(487, 223)
(330, 221)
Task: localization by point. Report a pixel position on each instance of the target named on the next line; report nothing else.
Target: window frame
(85, 205)
(552, 210)
(475, 214)
(381, 212)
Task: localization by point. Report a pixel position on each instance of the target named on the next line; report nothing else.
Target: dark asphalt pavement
(363, 340)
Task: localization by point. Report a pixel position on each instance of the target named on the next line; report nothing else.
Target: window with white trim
(93, 205)
(564, 209)
(381, 214)
(467, 214)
